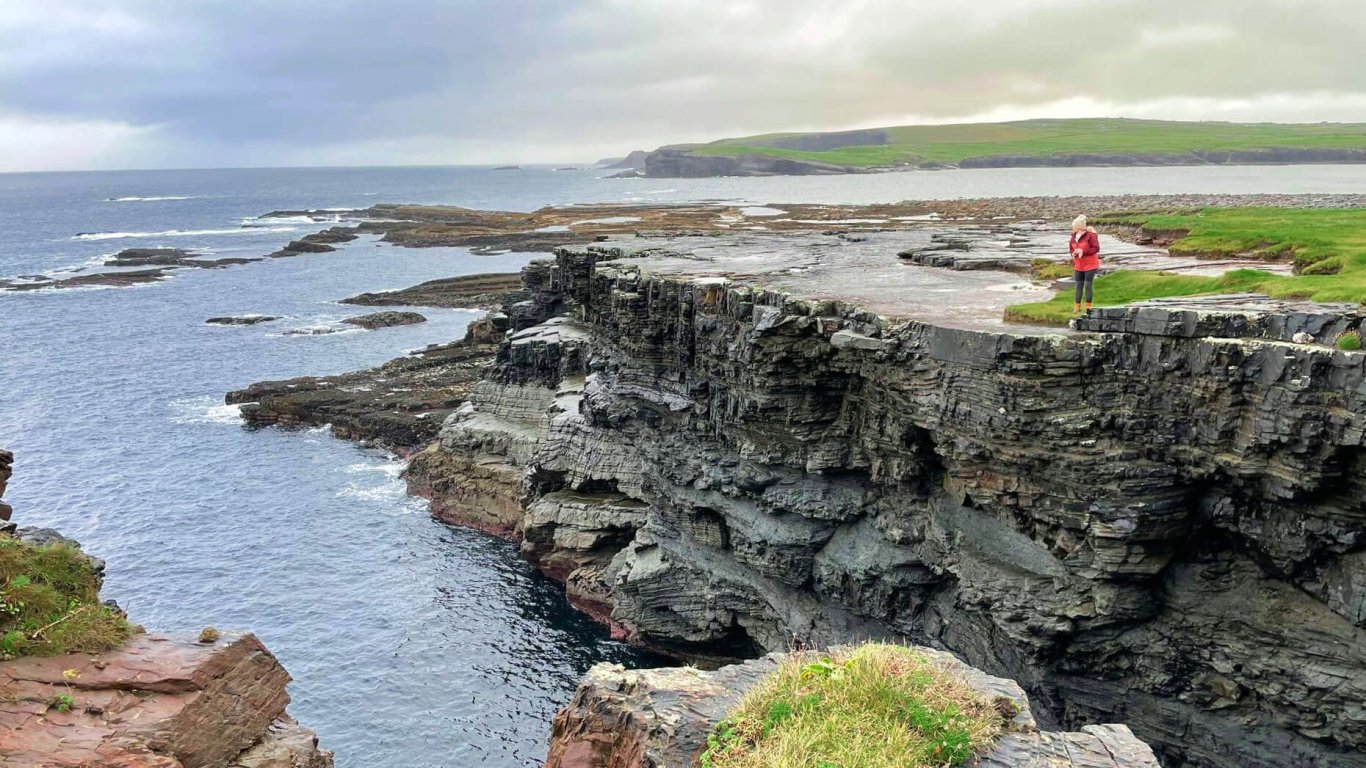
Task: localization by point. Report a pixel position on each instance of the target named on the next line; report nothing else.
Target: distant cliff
(684, 163)
(1160, 524)
(1023, 143)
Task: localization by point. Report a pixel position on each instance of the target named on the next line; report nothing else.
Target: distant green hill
(1100, 141)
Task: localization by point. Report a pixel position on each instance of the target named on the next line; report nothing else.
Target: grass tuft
(1328, 247)
(876, 706)
(50, 602)
(1349, 341)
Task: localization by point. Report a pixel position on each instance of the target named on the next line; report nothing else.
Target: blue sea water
(411, 643)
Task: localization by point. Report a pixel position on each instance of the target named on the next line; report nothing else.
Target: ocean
(411, 643)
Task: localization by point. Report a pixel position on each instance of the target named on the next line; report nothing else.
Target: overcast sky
(211, 83)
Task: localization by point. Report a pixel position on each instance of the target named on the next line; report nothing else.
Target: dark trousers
(1084, 282)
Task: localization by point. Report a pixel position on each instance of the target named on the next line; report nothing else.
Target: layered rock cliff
(1147, 526)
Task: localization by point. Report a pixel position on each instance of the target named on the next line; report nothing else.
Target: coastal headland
(826, 428)
(1021, 144)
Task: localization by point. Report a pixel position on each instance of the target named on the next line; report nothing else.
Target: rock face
(399, 405)
(6, 470)
(660, 718)
(156, 702)
(671, 162)
(1159, 529)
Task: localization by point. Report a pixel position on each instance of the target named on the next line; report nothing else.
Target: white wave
(391, 469)
(152, 199)
(176, 233)
(205, 409)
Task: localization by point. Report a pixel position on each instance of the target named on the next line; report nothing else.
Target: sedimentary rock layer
(1160, 529)
(156, 702)
(660, 718)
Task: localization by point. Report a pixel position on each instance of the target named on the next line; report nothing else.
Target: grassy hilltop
(930, 145)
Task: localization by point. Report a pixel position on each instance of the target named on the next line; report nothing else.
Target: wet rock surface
(385, 320)
(242, 320)
(6, 471)
(465, 292)
(318, 242)
(156, 701)
(723, 456)
(399, 405)
(660, 718)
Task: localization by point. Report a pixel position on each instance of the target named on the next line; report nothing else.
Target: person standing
(1085, 247)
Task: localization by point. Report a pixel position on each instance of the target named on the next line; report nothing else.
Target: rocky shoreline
(493, 232)
(720, 450)
(153, 702)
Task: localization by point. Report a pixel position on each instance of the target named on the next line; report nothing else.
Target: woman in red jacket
(1085, 246)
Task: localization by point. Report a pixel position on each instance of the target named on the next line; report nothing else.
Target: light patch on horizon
(165, 84)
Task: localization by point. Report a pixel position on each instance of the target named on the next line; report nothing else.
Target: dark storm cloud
(155, 82)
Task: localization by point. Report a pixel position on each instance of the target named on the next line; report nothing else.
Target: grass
(922, 144)
(50, 602)
(1328, 247)
(877, 706)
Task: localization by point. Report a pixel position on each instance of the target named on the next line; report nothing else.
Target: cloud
(288, 82)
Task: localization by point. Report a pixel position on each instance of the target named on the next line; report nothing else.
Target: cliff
(151, 702)
(673, 162)
(1143, 524)
(660, 718)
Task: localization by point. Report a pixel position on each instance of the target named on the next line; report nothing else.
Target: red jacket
(1088, 243)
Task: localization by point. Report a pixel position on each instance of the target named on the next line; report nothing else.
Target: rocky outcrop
(1140, 526)
(6, 471)
(318, 242)
(660, 718)
(242, 320)
(398, 405)
(156, 702)
(385, 320)
(464, 292)
(635, 160)
(152, 702)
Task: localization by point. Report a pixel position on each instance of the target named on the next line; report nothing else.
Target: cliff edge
(1160, 522)
(150, 702)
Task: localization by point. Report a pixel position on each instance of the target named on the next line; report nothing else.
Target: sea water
(411, 643)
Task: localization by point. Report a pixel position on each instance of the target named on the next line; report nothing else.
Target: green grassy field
(953, 143)
(1327, 245)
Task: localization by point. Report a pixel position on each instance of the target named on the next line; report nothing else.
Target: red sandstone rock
(156, 702)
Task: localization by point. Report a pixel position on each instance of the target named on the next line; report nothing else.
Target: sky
(106, 84)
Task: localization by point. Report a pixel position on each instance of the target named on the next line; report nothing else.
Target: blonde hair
(1079, 222)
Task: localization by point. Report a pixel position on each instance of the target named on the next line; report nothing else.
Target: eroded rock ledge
(660, 718)
(153, 702)
(1159, 530)
(157, 702)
